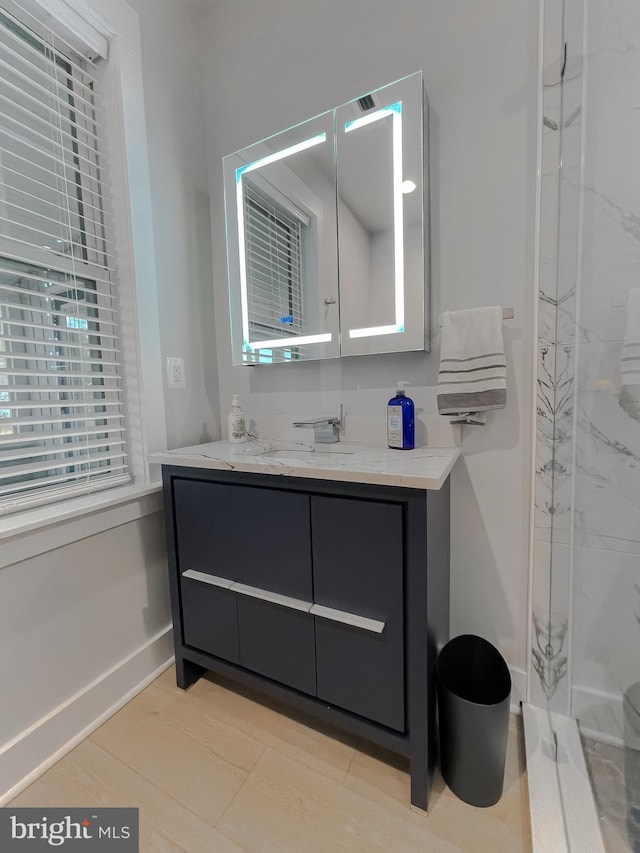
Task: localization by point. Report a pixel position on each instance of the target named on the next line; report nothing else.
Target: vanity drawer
(264, 631)
(278, 642)
(204, 524)
(209, 616)
(252, 535)
(359, 596)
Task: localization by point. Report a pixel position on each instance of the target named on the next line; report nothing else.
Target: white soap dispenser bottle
(237, 424)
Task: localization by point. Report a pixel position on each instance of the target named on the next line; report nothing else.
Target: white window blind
(274, 258)
(62, 414)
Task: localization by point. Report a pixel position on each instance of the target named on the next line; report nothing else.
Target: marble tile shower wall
(606, 576)
(586, 649)
(559, 251)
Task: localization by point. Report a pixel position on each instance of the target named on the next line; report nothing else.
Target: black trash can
(474, 688)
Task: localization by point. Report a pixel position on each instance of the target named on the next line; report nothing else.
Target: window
(275, 264)
(62, 412)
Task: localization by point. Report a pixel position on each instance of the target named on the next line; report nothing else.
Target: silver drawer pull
(212, 580)
(273, 597)
(348, 618)
(287, 601)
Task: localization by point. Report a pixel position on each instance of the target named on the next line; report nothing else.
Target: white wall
(85, 617)
(270, 65)
(177, 162)
(81, 628)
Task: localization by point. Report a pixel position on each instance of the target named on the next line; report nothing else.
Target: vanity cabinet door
(209, 618)
(272, 534)
(274, 556)
(204, 520)
(258, 539)
(358, 572)
(277, 642)
(256, 536)
(204, 552)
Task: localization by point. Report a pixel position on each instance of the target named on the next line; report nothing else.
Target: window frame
(125, 146)
(59, 461)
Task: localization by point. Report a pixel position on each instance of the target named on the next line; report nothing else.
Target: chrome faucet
(326, 430)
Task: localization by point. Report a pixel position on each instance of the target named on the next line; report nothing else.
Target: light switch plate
(175, 373)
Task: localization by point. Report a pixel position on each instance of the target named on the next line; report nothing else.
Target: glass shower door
(586, 591)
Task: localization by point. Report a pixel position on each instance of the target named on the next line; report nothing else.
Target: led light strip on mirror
(292, 340)
(395, 111)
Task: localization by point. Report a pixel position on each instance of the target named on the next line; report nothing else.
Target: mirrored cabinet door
(380, 143)
(282, 246)
(292, 225)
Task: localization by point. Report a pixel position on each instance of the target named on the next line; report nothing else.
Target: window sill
(36, 531)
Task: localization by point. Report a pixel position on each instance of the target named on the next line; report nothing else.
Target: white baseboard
(35, 750)
(28, 755)
(600, 714)
(518, 688)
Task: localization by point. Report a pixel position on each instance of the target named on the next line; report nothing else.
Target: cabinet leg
(420, 781)
(420, 775)
(187, 673)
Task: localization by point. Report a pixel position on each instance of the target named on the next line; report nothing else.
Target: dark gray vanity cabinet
(358, 567)
(257, 538)
(332, 596)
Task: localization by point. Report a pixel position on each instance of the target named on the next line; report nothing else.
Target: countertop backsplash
(370, 430)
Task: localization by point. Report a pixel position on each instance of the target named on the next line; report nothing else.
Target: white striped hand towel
(473, 367)
(630, 359)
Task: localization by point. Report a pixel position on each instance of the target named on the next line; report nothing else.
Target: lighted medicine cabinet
(327, 233)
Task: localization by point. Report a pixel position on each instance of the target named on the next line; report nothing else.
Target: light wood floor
(216, 771)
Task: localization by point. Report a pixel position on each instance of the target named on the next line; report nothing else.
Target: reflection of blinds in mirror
(274, 247)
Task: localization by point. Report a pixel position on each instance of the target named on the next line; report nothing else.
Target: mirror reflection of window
(280, 203)
(274, 246)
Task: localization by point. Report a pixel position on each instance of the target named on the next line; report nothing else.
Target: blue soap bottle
(400, 420)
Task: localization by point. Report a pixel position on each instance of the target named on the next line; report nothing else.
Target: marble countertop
(423, 468)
